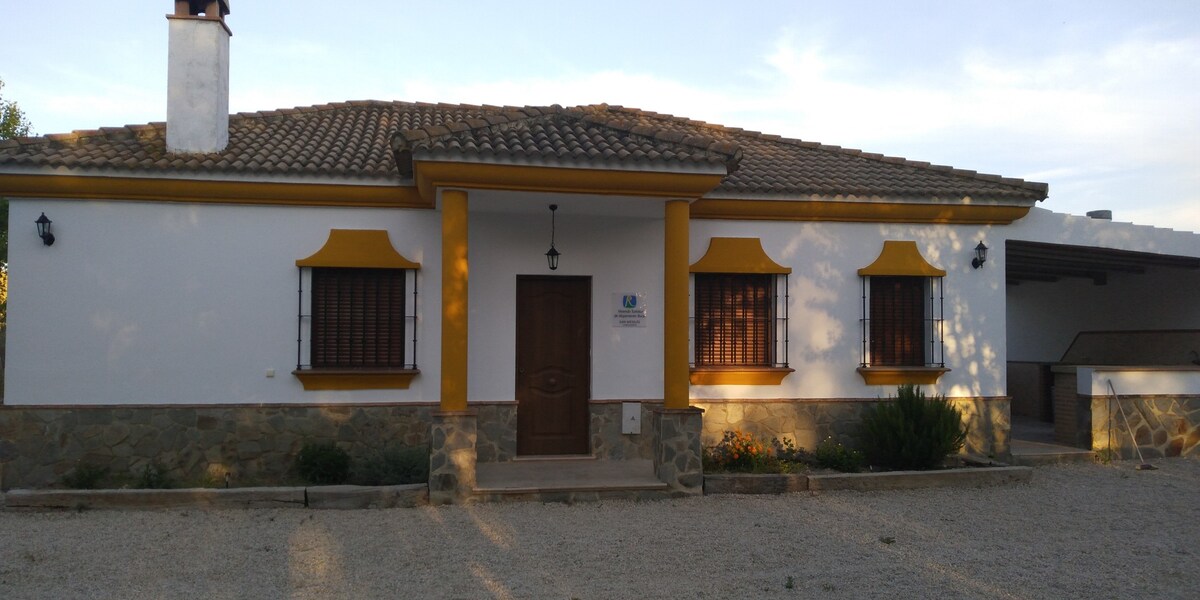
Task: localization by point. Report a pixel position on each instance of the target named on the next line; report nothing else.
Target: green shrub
(85, 477)
(395, 465)
(913, 431)
(154, 477)
(323, 464)
(786, 450)
(833, 455)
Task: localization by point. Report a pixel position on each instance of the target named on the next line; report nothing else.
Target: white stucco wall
(826, 304)
(620, 254)
(1134, 381)
(1044, 318)
(146, 303)
(190, 304)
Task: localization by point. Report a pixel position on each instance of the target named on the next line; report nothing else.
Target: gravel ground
(1078, 531)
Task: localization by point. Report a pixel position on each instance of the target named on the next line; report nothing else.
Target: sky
(1098, 98)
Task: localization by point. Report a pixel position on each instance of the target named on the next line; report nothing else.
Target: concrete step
(552, 479)
(1034, 454)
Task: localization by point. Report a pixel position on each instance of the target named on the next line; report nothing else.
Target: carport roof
(1042, 261)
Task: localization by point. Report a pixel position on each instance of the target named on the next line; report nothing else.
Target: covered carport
(1091, 293)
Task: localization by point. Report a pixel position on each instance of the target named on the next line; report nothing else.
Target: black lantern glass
(43, 225)
(980, 256)
(552, 254)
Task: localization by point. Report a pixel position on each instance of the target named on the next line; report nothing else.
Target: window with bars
(735, 320)
(358, 318)
(903, 322)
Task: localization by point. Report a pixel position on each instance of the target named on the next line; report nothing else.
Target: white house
(222, 288)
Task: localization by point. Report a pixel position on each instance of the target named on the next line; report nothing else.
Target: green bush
(833, 455)
(154, 477)
(323, 464)
(394, 465)
(85, 477)
(913, 432)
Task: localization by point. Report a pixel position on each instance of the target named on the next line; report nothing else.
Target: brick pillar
(452, 457)
(677, 449)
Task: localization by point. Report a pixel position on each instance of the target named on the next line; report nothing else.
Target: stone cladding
(452, 457)
(198, 445)
(1162, 426)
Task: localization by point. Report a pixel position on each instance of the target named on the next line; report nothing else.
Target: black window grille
(903, 321)
(737, 322)
(358, 319)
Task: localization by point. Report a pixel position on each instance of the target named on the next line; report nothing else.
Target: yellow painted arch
(901, 258)
(737, 255)
(358, 248)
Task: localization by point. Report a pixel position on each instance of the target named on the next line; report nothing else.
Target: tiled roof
(585, 135)
(361, 140)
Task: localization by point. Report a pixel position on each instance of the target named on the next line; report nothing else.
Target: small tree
(912, 432)
(12, 120)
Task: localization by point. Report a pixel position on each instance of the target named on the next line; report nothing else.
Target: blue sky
(1098, 98)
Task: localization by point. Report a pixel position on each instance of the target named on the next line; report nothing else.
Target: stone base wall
(197, 445)
(257, 445)
(498, 432)
(1162, 425)
(678, 450)
(808, 422)
(452, 457)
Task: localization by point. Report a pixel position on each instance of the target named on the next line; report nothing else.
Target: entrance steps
(1033, 454)
(567, 479)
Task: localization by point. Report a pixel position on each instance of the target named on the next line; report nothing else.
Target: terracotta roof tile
(361, 140)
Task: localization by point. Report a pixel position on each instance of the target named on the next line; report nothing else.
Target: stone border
(754, 483)
(745, 483)
(321, 497)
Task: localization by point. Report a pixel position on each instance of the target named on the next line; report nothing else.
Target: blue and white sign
(629, 309)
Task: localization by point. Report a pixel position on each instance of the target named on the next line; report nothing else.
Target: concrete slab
(565, 475)
(568, 480)
(1032, 454)
(903, 480)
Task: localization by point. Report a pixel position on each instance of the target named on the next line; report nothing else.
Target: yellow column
(675, 306)
(454, 300)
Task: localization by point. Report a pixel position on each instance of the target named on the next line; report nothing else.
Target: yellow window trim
(901, 258)
(738, 375)
(358, 248)
(856, 212)
(902, 375)
(350, 379)
(737, 255)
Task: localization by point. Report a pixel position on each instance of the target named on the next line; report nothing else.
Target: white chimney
(198, 77)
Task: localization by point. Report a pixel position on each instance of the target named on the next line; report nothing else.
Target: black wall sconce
(43, 225)
(552, 254)
(980, 256)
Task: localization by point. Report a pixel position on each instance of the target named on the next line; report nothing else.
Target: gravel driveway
(1078, 531)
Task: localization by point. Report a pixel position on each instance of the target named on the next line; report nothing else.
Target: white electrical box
(631, 417)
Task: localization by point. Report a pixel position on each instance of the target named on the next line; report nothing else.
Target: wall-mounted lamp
(980, 256)
(552, 254)
(43, 225)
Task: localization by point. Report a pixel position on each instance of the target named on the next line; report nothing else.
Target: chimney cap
(213, 9)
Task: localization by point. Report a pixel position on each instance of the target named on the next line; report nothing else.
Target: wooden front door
(554, 380)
